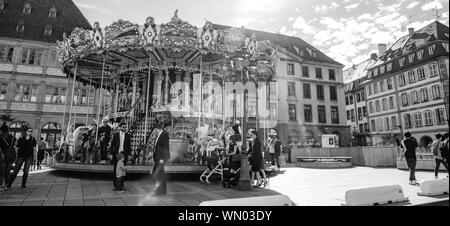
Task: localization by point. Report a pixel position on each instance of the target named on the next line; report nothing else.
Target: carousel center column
(158, 86)
(135, 82)
(187, 90)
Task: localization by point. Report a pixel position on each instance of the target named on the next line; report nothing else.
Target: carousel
(172, 72)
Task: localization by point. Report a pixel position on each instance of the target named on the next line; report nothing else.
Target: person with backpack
(436, 150)
(26, 147)
(409, 146)
(7, 155)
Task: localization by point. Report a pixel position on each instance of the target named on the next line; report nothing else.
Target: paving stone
(32, 203)
(113, 201)
(53, 202)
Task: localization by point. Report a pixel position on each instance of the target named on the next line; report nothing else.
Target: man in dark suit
(161, 155)
(121, 143)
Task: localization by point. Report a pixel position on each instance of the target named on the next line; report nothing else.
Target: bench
(323, 159)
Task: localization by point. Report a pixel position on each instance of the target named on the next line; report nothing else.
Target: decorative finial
(176, 13)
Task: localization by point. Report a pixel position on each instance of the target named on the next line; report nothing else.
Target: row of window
(321, 110)
(28, 93)
(27, 9)
(305, 72)
(385, 104)
(386, 124)
(31, 56)
(360, 97)
(420, 119)
(422, 95)
(411, 57)
(381, 86)
(307, 91)
(362, 112)
(419, 74)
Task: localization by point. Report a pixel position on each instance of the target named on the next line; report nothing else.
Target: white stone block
(434, 187)
(375, 196)
(274, 200)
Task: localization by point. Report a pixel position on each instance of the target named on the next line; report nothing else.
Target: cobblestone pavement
(305, 187)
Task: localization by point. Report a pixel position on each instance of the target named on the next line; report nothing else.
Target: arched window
(27, 8)
(51, 132)
(17, 129)
(48, 30)
(52, 12)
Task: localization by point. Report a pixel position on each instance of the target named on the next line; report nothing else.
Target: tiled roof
(357, 71)
(431, 32)
(68, 16)
(289, 43)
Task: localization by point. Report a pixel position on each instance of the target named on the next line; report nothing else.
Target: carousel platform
(136, 169)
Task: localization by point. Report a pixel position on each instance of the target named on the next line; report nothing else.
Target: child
(120, 174)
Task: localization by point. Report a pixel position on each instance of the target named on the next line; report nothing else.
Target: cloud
(365, 16)
(301, 24)
(432, 5)
(412, 5)
(321, 8)
(334, 5)
(352, 6)
(284, 31)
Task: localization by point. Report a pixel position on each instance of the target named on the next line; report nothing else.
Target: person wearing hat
(105, 136)
(7, 143)
(161, 156)
(409, 146)
(26, 148)
(121, 143)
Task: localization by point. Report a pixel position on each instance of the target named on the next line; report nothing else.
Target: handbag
(9, 154)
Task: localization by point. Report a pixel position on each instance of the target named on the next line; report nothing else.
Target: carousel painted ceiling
(123, 47)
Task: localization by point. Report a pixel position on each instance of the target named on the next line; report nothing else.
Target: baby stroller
(215, 166)
(231, 173)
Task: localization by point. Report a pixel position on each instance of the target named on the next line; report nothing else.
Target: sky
(346, 30)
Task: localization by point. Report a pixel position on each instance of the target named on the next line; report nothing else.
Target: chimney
(381, 49)
(411, 31)
(373, 56)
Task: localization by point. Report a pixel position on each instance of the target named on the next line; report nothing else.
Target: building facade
(355, 79)
(407, 85)
(33, 89)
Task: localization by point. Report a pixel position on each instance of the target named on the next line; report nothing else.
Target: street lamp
(244, 177)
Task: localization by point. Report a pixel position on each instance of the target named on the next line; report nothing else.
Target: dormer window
(411, 58)
(48, 30)
(52, 12)
(20, 27)
(431, 49)
(297, 50)
(445, 45)
(27, 8)
(382, 69)
(314, 54)
(389, 67)
(302, 53)
(401, 62)
(2, 5)
(420, 54)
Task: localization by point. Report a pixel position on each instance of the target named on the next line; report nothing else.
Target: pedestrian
(233, 153)
(120, 144)
(120, 174)
(278, 148)
(160, 157)
(409, 146)
(7, 156)
(435, 148)
(26, 147)
(42, 146)
(257, 159)
(105, 137)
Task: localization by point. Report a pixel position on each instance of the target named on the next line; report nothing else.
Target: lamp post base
(244, 176)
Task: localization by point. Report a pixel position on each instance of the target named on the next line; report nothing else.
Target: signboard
(330, 141)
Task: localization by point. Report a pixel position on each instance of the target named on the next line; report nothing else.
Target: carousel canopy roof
(67, 17)
(124, 48)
